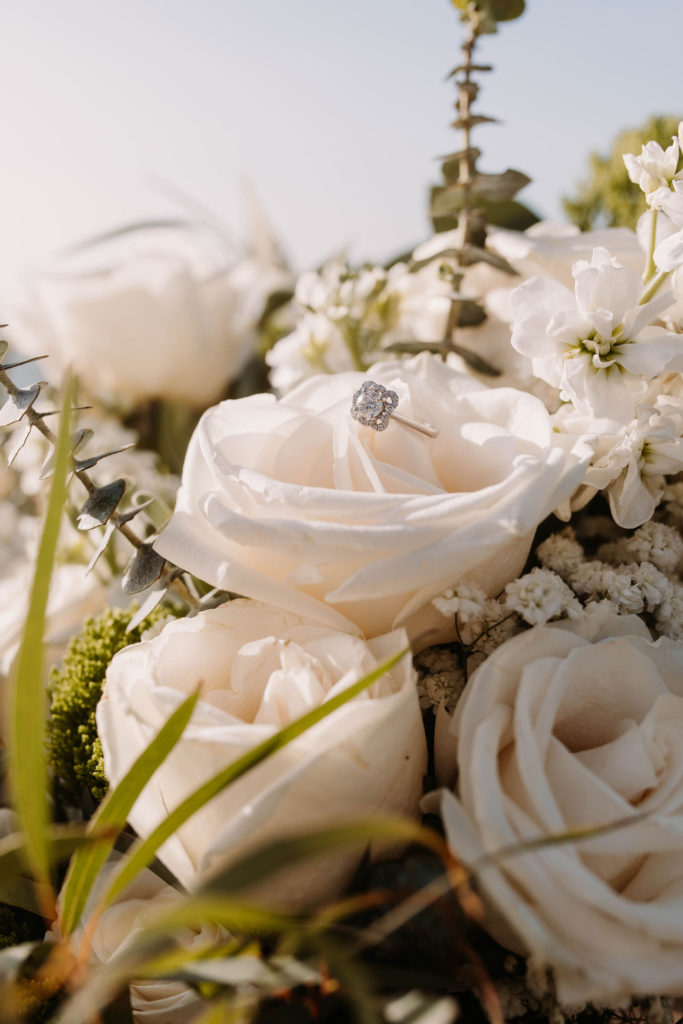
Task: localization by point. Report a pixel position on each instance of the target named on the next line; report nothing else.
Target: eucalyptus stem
(37, 420)
(467, 92)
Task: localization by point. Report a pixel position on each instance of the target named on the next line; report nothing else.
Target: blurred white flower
(316, 345)
(654, 167)
(151, 313)
(153, 1001)
(260, 668)
(597, 345)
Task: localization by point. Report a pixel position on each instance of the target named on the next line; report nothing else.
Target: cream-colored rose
(260, 668)
(295, 503)
(157, 313)
(153, 1001)
(570, 727)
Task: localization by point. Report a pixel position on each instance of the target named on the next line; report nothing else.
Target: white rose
(158, 313)
(260, 668)
(559, 731)
(293, 502)
(152, 1001)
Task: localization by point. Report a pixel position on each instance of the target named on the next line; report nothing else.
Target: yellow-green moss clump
(74, 748)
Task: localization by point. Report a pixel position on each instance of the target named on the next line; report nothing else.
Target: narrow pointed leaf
(144, 569)
(28, 769)
(143, 852)
(3, 344)
(21, 362)
(84, 464)
(110, 529)
(101, 505)
(78, 439)
(18, 404)
(269, 858)
(114, 811)
(18, 442)
(147, 606)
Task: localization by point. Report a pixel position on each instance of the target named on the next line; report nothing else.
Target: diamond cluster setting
(373, 404)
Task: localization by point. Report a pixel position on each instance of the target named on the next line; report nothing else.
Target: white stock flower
(316, 345)
(568, 727)
(295, 503)
(157, 313)
(630, 463)
(259, 669)
(153, 1001)
(418, 304)
(655, 167)
(668, 254)
(597, 345)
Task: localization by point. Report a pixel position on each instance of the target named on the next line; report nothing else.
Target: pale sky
(333, 109)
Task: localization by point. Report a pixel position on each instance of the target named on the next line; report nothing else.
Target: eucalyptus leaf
(3, 344)
(147, 606)
(100, 505)
(77, 440)
(144, 569)
(82, 465)
(18, 442)
(18, 404)
(20, 362)
(473, 119)
(472, 254)
(28, 704)
(109, 531)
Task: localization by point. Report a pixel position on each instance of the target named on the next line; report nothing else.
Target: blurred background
(332, 112)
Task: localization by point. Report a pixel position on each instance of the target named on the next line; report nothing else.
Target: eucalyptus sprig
(101, 508)
(469, 197)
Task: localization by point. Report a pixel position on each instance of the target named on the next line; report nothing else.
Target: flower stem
(650, 268)
(654, 286)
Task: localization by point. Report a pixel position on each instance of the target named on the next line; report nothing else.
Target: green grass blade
(144, 851)
(62, 839)
(114, 811)
(266, 860)
(28, 700)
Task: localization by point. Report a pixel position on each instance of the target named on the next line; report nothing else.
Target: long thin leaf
(28, 701)
(144, 851)
(114, 811)
(62, 840)
(271, 857)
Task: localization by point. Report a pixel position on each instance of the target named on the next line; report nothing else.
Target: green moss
(73, 748)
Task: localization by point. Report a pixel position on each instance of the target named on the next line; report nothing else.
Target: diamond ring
(373, 406)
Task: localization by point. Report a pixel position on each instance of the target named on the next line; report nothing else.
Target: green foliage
(74, 750)
(490, 11)
(607, 197)
(27, 701)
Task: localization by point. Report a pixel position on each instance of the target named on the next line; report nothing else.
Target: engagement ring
(373, 406)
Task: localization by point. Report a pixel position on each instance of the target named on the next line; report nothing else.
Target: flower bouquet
(343, 647)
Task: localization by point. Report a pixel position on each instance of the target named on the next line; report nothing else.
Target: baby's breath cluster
(639, 573)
